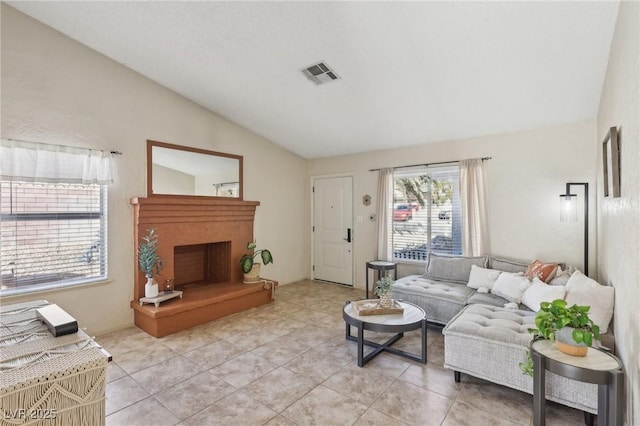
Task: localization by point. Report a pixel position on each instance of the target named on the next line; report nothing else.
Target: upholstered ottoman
(441, 300)
(489, 342)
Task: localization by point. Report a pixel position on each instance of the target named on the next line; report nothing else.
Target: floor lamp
(569, 212)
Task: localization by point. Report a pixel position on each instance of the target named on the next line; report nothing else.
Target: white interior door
(333, 229)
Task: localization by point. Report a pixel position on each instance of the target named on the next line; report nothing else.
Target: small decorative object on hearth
(570, 327)
(250, 267)
(150, 262)
(383, 291)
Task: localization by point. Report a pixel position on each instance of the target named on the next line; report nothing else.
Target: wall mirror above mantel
(185, 171)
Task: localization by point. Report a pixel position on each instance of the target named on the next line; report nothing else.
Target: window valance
(40, 162)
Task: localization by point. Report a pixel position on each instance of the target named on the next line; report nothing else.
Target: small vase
(150, 288)
(385, 300)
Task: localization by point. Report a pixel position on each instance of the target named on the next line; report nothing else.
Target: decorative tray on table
(372, 307)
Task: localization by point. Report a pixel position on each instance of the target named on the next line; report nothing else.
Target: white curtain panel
(39, 162)
(385, 203)
(475, 233)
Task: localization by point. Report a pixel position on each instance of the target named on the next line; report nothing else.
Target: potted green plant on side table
(570, 327)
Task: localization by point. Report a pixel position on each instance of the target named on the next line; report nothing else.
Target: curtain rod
(112, 152)
(429, 164)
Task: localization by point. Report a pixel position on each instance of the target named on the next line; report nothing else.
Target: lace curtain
(39, 162)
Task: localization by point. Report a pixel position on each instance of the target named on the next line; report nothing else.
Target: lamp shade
(568, 208)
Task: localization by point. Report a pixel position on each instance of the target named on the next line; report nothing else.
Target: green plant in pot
(569, 326)
(250, 267)
(150, 261)
(383, 291)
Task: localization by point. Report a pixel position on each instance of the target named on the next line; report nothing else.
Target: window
(53, 216)
(51, 235)
(426, 212)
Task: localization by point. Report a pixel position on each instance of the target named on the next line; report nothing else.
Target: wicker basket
(253, 276)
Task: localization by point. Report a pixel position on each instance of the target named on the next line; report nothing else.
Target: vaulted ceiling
(410, 72)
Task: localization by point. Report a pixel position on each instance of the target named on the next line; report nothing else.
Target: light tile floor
(288, 363)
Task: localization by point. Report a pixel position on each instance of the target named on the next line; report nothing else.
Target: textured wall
(619, 218)
(526, 175)
(59, 91)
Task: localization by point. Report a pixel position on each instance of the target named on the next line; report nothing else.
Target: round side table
(379, 265)
(598, 367)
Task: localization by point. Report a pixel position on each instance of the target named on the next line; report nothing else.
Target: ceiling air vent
(320, 73)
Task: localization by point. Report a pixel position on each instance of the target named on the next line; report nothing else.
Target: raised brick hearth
(202, 241)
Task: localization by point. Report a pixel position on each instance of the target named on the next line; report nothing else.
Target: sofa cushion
(452, 268)
(507, 265)
(486, 299)
(441, 300)
(539, 292)
(584, 291)
(511, 286)
(544, 271)
(482, 277)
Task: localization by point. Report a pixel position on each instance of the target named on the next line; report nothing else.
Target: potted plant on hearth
(570, 327)
(150, 262)
(250, 267)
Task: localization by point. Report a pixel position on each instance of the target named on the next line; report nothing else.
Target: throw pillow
(481, 277)
(510, 286)
(452, 268)
(539, 292)
(584, 291)
(544, 271)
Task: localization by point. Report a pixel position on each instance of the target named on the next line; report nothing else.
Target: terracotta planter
(566, 344)
(253, 276)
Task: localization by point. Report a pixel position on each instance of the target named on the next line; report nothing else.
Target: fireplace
(201, 240)
(201, 264)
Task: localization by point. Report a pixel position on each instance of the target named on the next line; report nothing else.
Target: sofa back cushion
(452, 268)
(508, 265)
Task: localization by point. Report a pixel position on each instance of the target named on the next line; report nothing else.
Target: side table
(598, 367)
(379, 265)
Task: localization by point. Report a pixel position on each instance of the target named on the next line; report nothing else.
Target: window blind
(426, 212)
(51, 235)
(53, 216)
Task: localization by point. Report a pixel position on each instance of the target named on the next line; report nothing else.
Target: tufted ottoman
(441, 300)
(489, 342)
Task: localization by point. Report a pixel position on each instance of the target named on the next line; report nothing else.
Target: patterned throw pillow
(544, 271)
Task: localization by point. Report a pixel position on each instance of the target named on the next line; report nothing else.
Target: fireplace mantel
(188, 221)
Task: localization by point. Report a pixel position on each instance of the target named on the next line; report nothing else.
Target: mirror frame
(151, 144)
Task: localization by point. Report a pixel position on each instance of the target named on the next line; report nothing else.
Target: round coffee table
(413, 318)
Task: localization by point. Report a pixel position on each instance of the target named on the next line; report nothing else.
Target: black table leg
(539, 407)
(360, 346)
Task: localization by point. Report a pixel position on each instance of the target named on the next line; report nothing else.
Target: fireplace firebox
(201, 264)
